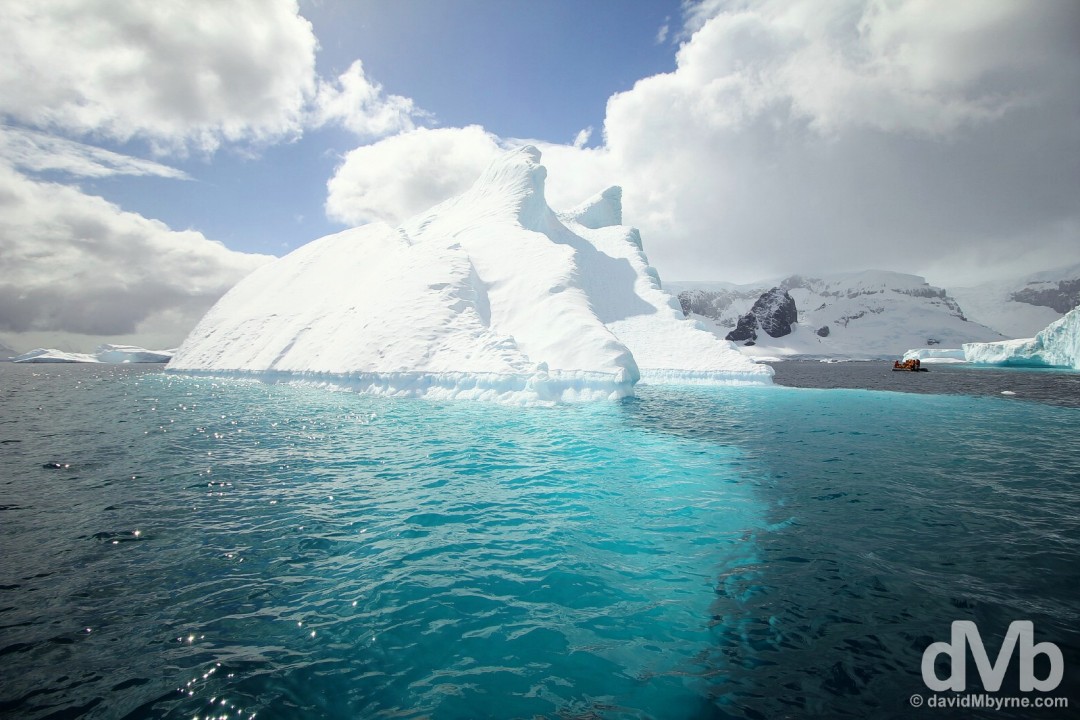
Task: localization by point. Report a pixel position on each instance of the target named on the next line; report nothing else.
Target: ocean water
(177, 547)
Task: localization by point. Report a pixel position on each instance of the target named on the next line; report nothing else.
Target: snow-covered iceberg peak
(487, 295)
(1058, 345)
(601, 210)
(510, 188)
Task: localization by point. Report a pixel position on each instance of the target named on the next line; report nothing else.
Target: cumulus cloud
(73, 263)
(360, 105)
(177, 73)
(174, 76)
(396, 177)
(800, 137)
(399, 176)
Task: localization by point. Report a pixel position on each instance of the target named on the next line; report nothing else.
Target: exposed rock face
(745, 330)
(1062, 298)
(774, 313)
(684, 303)
(823, 331)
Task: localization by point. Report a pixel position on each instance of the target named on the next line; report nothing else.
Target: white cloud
(662, 33)
(800, 137)
(73, 264)
(173, 75)
(359, 104)
(399, 176)
(38, 152)
(177, 73)
(796, 136)
(583, 137)
(920, 66)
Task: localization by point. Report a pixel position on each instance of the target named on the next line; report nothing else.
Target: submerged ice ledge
(503, 388)
(705, 377)
(506, 388)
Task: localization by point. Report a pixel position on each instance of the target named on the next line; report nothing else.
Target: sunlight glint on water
(726, 552)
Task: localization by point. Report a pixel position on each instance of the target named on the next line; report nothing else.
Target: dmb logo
(965, 634)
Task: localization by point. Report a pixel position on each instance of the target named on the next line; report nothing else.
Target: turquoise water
(178, 547)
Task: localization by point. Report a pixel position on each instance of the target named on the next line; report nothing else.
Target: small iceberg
(931, 356)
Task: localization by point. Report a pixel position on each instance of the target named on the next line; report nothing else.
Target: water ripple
(232, 548)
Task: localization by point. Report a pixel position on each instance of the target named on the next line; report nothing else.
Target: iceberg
(109, 354)
(49, 355)
(488, 295)
(1058, 345)
(936, 355)
(118, 354)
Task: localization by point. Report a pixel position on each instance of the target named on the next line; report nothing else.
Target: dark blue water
(1044, 385)
(178, 547)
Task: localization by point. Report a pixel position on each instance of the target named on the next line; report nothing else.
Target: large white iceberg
(487, 295)
(1058, 345)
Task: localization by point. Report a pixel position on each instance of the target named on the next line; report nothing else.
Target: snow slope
(862, 315)
(1058, 345)
(487, 295)
(111, 354)
(1021, 308)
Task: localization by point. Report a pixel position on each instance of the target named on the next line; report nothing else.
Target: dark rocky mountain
(774, 312)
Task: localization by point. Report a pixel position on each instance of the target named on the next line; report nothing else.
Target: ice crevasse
(488, 295)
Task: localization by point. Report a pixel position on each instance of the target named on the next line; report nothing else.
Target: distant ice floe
(1058, 345)
(940, 356)
(489, 295)
(108, 354)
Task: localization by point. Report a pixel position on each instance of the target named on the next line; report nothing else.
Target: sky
(153, 153)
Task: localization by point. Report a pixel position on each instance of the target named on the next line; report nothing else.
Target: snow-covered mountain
(868, 314)
(1021, 308)
(487, 295)
(108, 354)
(6, 352)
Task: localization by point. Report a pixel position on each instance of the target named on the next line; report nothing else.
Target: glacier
(488, 295)
(1057, 345)
(109, 354)
(1020, 308)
